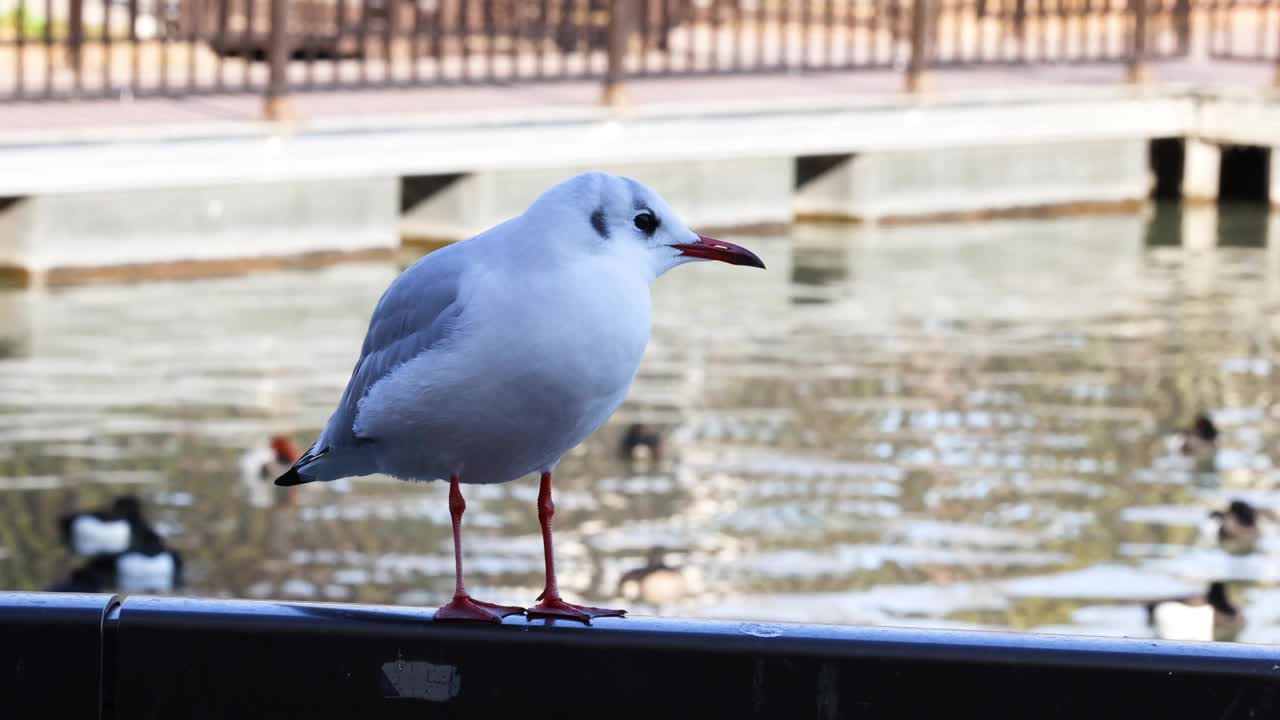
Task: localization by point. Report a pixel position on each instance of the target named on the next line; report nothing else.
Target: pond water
(960, 425)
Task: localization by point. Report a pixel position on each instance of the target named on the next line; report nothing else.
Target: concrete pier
(1201, 165)
(197, 230)
(955, 182)
(726, 193)
(129, 202)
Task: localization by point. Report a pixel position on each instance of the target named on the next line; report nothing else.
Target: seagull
(489, 359)
(657, 583)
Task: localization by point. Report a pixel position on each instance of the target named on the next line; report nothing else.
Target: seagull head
(621, 217)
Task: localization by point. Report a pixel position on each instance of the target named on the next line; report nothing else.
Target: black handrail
(72, 656)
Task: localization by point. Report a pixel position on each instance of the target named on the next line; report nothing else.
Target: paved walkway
(235, 109)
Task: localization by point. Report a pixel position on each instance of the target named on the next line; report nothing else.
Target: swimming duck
(103, 532)
(149, 567)
(260, 465)
(656, 583)
(1237, 527)
(1201, 438)
(641, 443)
(95, 576)
(1204, 618)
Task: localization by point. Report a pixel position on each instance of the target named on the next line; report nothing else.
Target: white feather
(1181, 621)
(139, 573)
(91, 536)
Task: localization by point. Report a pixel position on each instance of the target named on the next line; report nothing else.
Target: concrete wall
(963, 180)
(707, 193)
(199, 224)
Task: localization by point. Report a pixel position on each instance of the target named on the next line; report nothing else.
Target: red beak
(711, 249)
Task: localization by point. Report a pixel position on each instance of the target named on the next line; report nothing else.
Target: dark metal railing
(101, 656)
(1244, 30)
(122, 48)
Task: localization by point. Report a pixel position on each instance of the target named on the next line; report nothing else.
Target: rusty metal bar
(489, 29)
(20, 49)
(308, 38)
(193, 11)
(248, 45)
(1275, 80)
(511, 31)
(415, 46)
(616, 72)
(784, 25)
(1137, 70)
(163, 30)
(829, 34)
(1182, 25)
(918, 63)
(220, 35)
(389, 26)
(464, 37)
(48, 49)
(276, 107)
(437, 39)
(363, 42)
(717, 44)
(135, 54)
(666, 24)
(75, 42)
(543, 35)
(106, 48)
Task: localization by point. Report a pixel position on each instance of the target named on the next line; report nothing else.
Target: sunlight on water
(961, 425)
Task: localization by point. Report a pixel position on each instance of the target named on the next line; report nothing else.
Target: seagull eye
(647, 223)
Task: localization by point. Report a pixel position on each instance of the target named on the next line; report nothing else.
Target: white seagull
(489, 359)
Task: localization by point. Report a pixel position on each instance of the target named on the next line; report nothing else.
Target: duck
(260, 465)
(656, 583)
(103, 532)
(1202, 618)
(150, 566)
(95, 576)
(1237, 527)
(641, 443)
(1201, 438)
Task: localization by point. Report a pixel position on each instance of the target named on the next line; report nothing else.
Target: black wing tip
(291, 478)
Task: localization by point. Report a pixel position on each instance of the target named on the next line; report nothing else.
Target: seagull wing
(417, 312)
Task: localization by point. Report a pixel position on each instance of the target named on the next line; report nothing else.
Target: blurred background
(1011, 365)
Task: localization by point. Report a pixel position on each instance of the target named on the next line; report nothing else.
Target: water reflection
(970, 425)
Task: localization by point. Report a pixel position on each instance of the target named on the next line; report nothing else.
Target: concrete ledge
(198, 231)
(185, 270)
(761, 129)
(722, 193)
(211, 199)
(949, 183)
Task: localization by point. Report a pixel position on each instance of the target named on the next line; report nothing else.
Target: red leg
(552, 605)
(462, 607)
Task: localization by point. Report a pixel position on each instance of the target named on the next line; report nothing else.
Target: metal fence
(114, 48)
(1244, 30)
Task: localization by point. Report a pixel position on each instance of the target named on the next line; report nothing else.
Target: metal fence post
(276, 106)
(615, 73)
(1138, 50)
(1182, 25)
(75, 33)
(919, 60)
(1276, 80)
